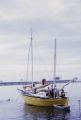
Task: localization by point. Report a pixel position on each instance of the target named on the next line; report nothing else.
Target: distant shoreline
(36, 82)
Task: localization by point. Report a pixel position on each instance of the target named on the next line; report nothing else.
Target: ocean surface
(16, 109)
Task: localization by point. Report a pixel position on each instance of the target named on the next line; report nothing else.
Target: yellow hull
(31, 100)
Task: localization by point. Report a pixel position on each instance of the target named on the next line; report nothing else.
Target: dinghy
(62, 107)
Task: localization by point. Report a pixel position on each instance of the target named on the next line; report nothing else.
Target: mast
(54, 79)
(32, 56)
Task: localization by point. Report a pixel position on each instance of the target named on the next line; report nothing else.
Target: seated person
(62, 93)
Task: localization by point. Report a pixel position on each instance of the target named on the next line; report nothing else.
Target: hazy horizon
(59, 19)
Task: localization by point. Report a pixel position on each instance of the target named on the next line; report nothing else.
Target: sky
(49, 19)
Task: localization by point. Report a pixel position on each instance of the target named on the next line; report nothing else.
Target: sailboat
(42, 95)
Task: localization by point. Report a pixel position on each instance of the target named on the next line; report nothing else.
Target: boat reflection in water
(44, 113)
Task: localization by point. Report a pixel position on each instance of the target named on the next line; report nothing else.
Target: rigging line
(30, 50)
(71, 88)
(28, 61)
(71, 81)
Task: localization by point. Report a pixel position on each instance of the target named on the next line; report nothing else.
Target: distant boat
(42, 95)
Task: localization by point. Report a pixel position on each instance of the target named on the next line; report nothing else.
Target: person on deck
(43, 81)
(49, 93)
(62, 93)
(54, 91)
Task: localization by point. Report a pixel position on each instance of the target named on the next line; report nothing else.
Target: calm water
(17, 110)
